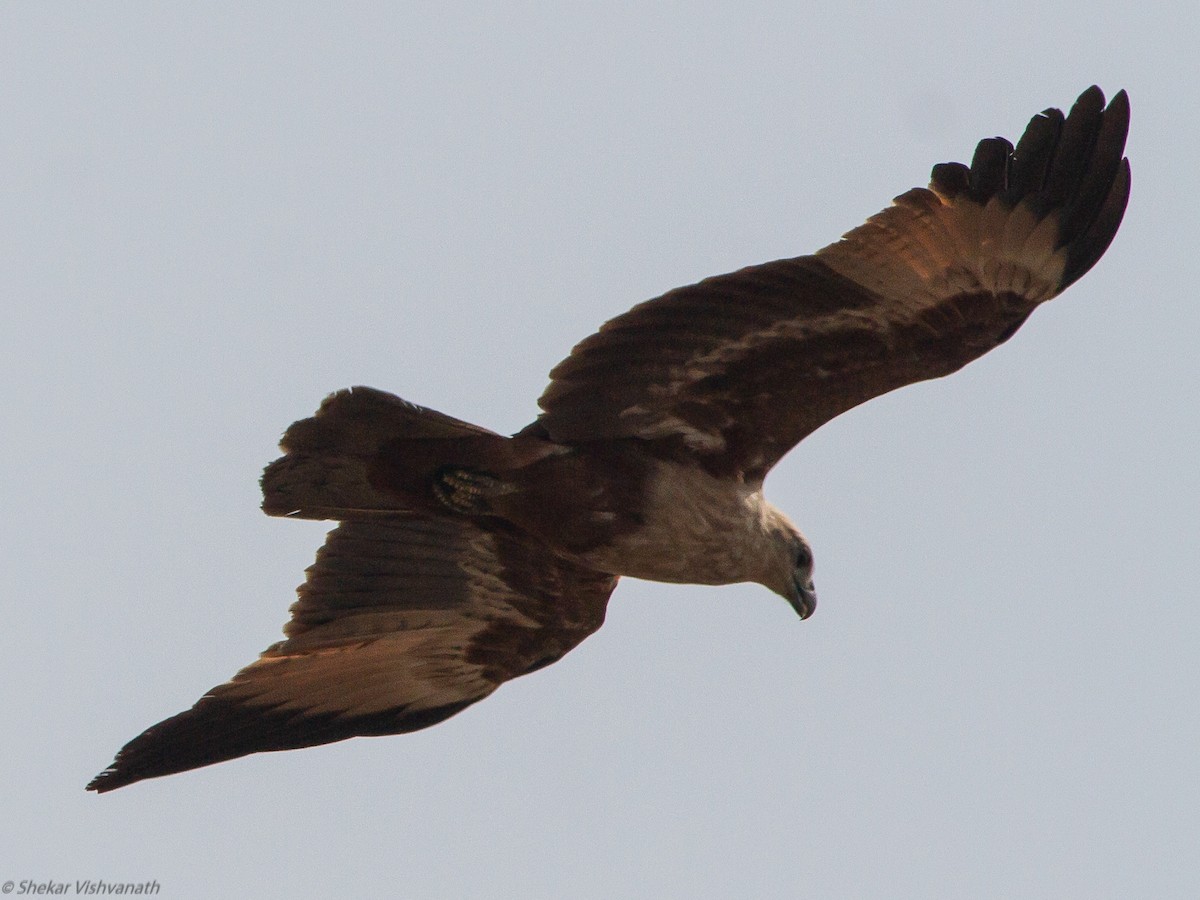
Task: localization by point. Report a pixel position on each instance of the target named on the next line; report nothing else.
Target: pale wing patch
(926, 247)
(414, 670)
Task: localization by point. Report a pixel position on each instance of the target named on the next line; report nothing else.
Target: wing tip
(1093, 214)
(177, 744)
(217, 730)
(1072, 165)
(111, 779)
(1086, 250)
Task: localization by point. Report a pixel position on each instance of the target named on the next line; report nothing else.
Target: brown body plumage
(465, 558)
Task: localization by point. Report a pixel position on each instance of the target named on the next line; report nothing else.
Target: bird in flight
(463, 558)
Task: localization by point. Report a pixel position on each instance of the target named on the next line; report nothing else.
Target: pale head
(789, 566)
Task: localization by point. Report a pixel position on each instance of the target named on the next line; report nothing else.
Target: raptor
(464, 558)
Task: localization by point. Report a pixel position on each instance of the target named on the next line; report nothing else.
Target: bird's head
(802, 595)
(791, 565)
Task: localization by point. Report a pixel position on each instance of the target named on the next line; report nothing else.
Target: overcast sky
(214, 214)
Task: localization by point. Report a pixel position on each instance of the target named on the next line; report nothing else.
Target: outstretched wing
(402, 622)
(737, 369)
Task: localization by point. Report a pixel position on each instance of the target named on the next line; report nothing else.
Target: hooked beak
(803, 599)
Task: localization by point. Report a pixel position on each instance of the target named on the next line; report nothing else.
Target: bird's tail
(369, 452)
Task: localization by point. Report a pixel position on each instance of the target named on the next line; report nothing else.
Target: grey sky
(215, 214)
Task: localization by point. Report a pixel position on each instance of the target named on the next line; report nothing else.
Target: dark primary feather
(402, 622)
(736, 369)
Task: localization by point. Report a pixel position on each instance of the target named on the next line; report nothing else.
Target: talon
(466, 491)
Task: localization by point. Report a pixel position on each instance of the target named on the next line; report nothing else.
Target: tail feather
(331, 461)
(360, 419)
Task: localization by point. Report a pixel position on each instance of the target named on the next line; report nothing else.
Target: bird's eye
(803, 557)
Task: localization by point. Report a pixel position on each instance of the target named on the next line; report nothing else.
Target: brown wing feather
(738, 368)
(402, 622)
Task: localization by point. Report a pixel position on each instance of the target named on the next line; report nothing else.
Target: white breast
(697, 530)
